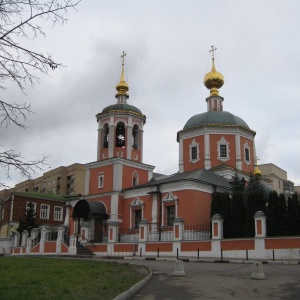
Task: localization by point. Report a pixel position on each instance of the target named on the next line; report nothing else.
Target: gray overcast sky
(167, 44)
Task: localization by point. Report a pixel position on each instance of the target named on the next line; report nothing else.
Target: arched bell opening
(105, 136)
(120, 135)
(135, 137)
(92, 216)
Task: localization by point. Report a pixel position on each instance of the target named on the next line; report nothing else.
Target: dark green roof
(200, 175)
(215, 118)
(48, 196)
(121, 107)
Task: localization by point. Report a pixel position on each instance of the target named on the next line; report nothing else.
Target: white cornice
(119, 160)
(222, 129)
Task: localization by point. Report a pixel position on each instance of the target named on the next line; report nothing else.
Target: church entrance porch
(91, 221)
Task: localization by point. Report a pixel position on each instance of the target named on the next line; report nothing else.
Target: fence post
(59, 239)
(73, 246)
(43, 240)
(178, 227)
(24, 238)
(158, 252)
(17, 239)
(143, 230)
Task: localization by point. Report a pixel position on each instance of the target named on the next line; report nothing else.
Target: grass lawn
(53, 278)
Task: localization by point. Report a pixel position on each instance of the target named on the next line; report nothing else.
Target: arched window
(120, 135)
(105, 135)
(135, 137)
(135, 178)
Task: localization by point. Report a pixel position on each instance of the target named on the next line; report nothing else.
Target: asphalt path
(219, 281)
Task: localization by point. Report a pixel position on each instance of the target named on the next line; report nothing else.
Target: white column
(67, 207)
(154, 213)
(181, 166)
(117, 177)
(141, 144)
(129, 139)
(114, 207)
(99, 142)
(111, 138)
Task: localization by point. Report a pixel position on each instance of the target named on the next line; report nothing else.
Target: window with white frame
(136, 213)
(194, 151)
(170, 215)
(45, 211)
(247, 156)
(137, 218)
(58, 213)
(101, 181)
(223, 150)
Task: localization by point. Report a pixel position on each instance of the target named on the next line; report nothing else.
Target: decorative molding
(135, 157)
(246, 146)
(221, 142)
(124, 120)
(194, 144)
(137, 202)
(169, 197)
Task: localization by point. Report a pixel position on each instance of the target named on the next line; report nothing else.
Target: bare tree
(19, 20)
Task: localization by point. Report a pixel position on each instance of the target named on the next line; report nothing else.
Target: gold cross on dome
(123, 57)
(213, 49)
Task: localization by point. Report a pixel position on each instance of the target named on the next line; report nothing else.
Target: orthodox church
(122, 192)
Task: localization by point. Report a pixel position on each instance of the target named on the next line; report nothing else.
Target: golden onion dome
(257, 171)
(122, 87)
(213, 80)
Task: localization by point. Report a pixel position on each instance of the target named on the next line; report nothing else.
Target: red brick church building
(122, 192)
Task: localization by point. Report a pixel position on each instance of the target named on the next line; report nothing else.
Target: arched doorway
(92, 216)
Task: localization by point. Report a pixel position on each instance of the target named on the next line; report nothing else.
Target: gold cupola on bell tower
(213, 80)
(122, 87)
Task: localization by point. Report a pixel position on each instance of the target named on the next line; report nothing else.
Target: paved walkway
(218, 281)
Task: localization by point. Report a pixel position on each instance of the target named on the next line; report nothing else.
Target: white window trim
(246, 146)
(100, 181)
(55, 213)
(191, 146)
(223, 141)
(137, 203)
(48, 212)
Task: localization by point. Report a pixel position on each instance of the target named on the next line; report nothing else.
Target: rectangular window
(194, 153)
(100, 181)
(58, 213)
(45, 210)
(247, 158)
(170, 215)
(137, 218)
(223, 150)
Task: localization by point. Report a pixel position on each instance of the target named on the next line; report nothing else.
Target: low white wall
(5, 245)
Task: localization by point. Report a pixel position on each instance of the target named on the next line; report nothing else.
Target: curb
(127, 294)
(231, 261)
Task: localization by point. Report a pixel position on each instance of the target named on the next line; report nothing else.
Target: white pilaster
(117, 177)
(238, 152)
(207, 161)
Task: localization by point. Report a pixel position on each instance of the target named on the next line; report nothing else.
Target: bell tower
(120, 126)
